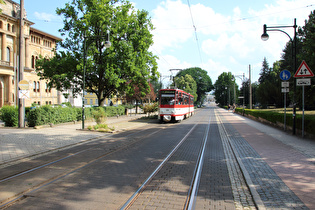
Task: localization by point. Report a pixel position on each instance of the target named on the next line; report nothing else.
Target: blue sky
(228, 31)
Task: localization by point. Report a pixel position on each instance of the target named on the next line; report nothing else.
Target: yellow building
(36, 43)
(91, 99)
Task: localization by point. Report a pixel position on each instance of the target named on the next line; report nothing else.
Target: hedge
(47, 114)
(9, 115)
(275, 117)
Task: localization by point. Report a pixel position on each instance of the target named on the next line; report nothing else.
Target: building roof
(45, 34)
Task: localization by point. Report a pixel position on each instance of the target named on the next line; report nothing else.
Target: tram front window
(167, 98)
(167, 101)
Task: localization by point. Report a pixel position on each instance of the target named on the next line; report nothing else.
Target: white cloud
(227, 42)
(46, 16)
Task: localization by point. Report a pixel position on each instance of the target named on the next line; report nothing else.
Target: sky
(217, 36)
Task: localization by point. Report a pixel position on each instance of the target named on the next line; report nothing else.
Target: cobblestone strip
(274, 193)
(242, 196)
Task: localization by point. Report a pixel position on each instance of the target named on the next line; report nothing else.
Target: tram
(175, 105)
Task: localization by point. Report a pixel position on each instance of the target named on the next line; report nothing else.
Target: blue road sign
(285, 75)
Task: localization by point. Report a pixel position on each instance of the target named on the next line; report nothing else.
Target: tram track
(115, 145)
(189, 201)
(175, 178)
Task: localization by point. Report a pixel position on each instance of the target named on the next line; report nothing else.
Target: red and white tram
(175, 105)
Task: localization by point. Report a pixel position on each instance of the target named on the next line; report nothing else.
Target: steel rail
(191, 198)
(47, 182)
(131, 200)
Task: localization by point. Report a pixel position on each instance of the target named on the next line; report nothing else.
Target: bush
(9, 115)
(149, 108)
(274, 117)
(99, 115)
(47, 114)
(112, 111)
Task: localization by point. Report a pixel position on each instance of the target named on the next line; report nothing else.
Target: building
(36, 43)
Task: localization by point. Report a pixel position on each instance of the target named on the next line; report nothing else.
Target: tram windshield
(167, 97)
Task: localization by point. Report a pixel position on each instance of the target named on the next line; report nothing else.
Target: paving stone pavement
(274, 159)
(18, 143)
(281, 166)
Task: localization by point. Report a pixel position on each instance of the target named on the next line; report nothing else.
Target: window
(8, 54)
(9, 27)
(34, 86)
(91, 101)
(38, 86)
(33, 61)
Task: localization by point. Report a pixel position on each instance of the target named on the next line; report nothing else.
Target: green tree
(188, 84)
(202, 79)
(307, 53)
(116, 69)
(224, 89)
(269, 90)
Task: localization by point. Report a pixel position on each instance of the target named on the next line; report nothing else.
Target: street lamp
(107, 44)
(265, 37)
(242, 77)
(171, 70)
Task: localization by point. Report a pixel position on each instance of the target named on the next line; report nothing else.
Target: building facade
(37, 43)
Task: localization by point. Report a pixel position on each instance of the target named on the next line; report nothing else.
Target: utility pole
(250, 91)
(21, 64)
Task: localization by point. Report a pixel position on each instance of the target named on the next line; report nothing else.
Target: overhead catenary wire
(195, 31)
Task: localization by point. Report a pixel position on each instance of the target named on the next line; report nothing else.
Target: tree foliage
(307, 53)
(202, 79)
(108, 71)
(269, 90)
(224, 89)
(188, 84)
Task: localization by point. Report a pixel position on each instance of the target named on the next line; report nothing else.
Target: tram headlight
(167, 118)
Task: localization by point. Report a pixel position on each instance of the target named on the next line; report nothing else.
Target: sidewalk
(18, 143)
(266, 151)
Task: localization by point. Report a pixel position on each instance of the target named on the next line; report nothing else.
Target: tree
(269, 91)
(224, 89)
(307, 34)
(188, 84)
(138, 97)
(202, 79)
(116, 69)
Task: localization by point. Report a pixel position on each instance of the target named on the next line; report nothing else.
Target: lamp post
(171, 70)
(265, 37)
(106, 45)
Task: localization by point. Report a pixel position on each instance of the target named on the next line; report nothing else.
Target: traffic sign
(285, 90)
(24, 94)
(304, 71)
(303, 82)
(285, 84)
(24, 85)
(285, 75)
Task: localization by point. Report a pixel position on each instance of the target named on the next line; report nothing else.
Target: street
(204, 162)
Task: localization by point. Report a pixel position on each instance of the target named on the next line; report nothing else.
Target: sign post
(285, 75)
(303, 71)
(23, 93)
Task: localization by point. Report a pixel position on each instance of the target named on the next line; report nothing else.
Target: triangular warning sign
(304, 71)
